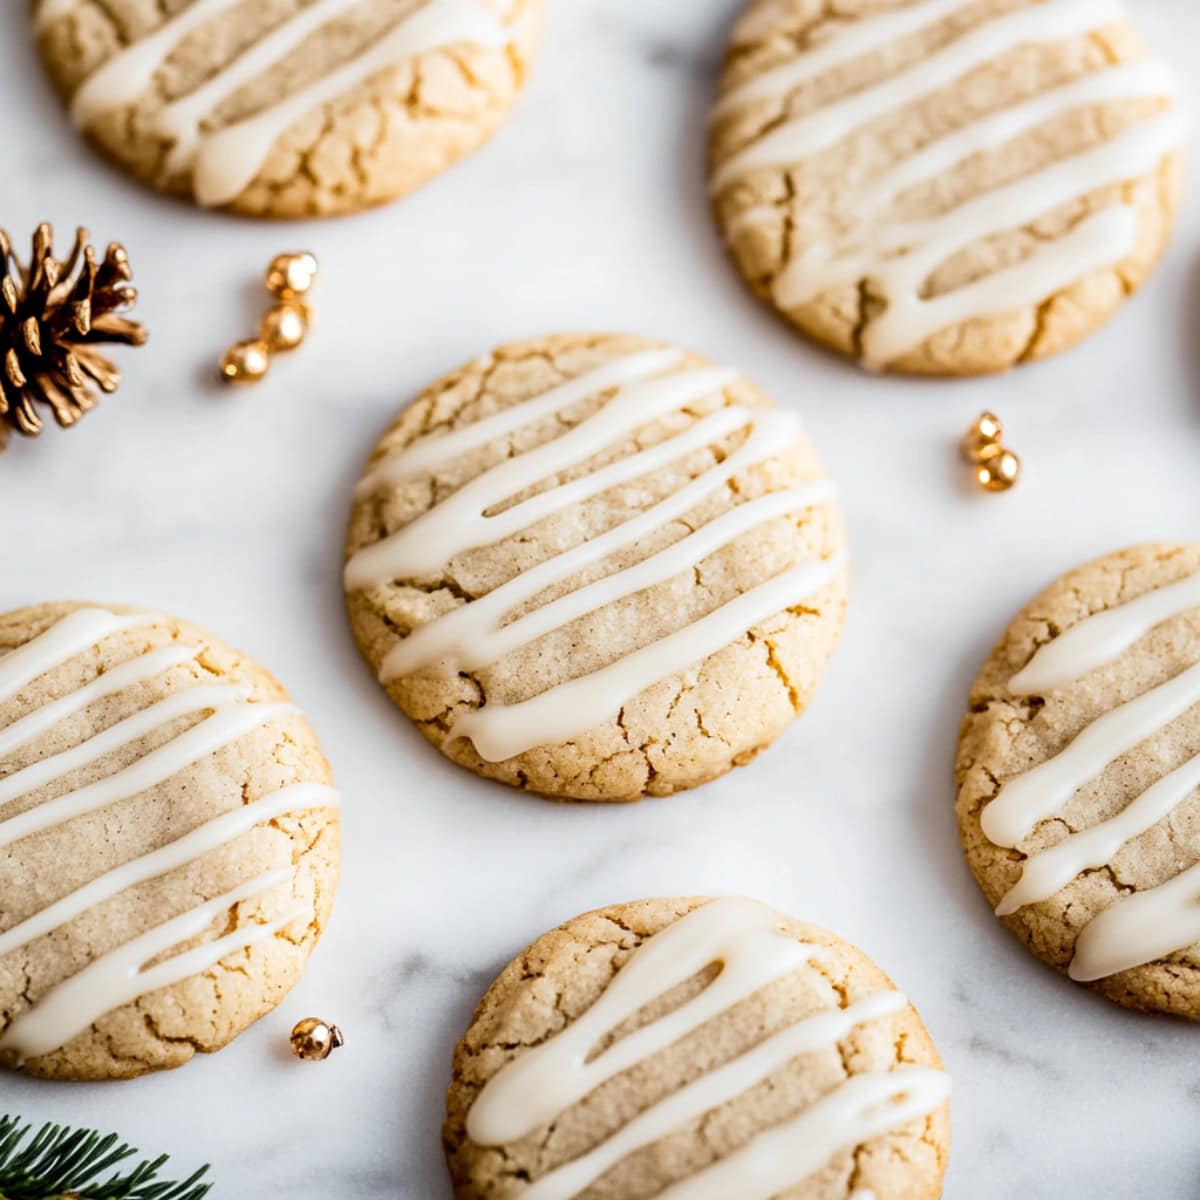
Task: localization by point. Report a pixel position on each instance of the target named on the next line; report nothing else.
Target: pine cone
(52, 317)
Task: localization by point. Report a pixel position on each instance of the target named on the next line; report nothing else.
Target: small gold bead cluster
(995, 468)
(314, 1040)
(289, 279)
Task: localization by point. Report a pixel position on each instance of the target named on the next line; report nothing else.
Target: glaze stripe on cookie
(864, 1107)
(300, 797)
(225, 162)
(131, 729)
(900, 257)
(718, 1087)
(72, 635)
(461, 522)
(499, 731)
(477, 638)
(1142, 928)
(425, 456)
(466, 635)
(854, 40)
(1149, 924)
(137, 670)
(122, 976)
(223, 728)
(118, 977)
(532, 1090)
(1103, 637)
(1039, 793)
(475, 635)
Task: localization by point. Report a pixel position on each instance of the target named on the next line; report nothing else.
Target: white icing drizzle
(900, 256)
(125, 77)
(181, 120)
(909, 319)
(423, 547)
(225, 162)
(478, 638)
(797, 139)
(864, 1107)
(453, 639)
(725, 1083)
(855, 39)
(80, 631)
(131, 729)
(137, 670)
(1102, 638)
(1141, 928)
(424, 457)
(121, 976)
(225, 726)
(299, 797)
(475, 635)
(499, 731)
(1050, 870)
(1030, 798)
(740, 935)
(1149, 924)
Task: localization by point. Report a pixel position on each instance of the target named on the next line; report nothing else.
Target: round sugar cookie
(693, 1049)
(944, 187)
(596, 567)
(1079, 777)
(169, 842)
(287, 108)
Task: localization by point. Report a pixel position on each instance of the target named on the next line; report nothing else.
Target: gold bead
(314, 1040)
(285, 325)
(247, 362)
(291, 275)
(998, 469)
(983, 434)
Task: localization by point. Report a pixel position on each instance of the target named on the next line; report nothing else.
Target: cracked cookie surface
(288, 108)
(557, 984)
(147, 762)
(1093, 860)
(943, 187)
(714, 705)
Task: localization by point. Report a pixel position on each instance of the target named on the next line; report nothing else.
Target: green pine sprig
(58, 1163)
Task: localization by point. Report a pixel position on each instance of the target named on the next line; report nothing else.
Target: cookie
(944, 187)
(281, 108)
(596, 567)
(168, 842)
(1079, 777)
(695, 1050)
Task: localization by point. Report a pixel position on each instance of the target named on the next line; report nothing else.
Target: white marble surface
(589, 212)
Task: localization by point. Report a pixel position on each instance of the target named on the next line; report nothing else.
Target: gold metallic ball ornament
(246, 362)
(983, 434)
(998, 469)
(291, 275)
(314, 1040)
(285, 326)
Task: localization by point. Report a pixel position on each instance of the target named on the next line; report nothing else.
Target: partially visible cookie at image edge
(169, 842)
(278, 108)
(944, 187)
(692, 1049)
(596, 567)
(1079, 777)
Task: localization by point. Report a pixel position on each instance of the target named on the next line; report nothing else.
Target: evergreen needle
(59, 1163)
